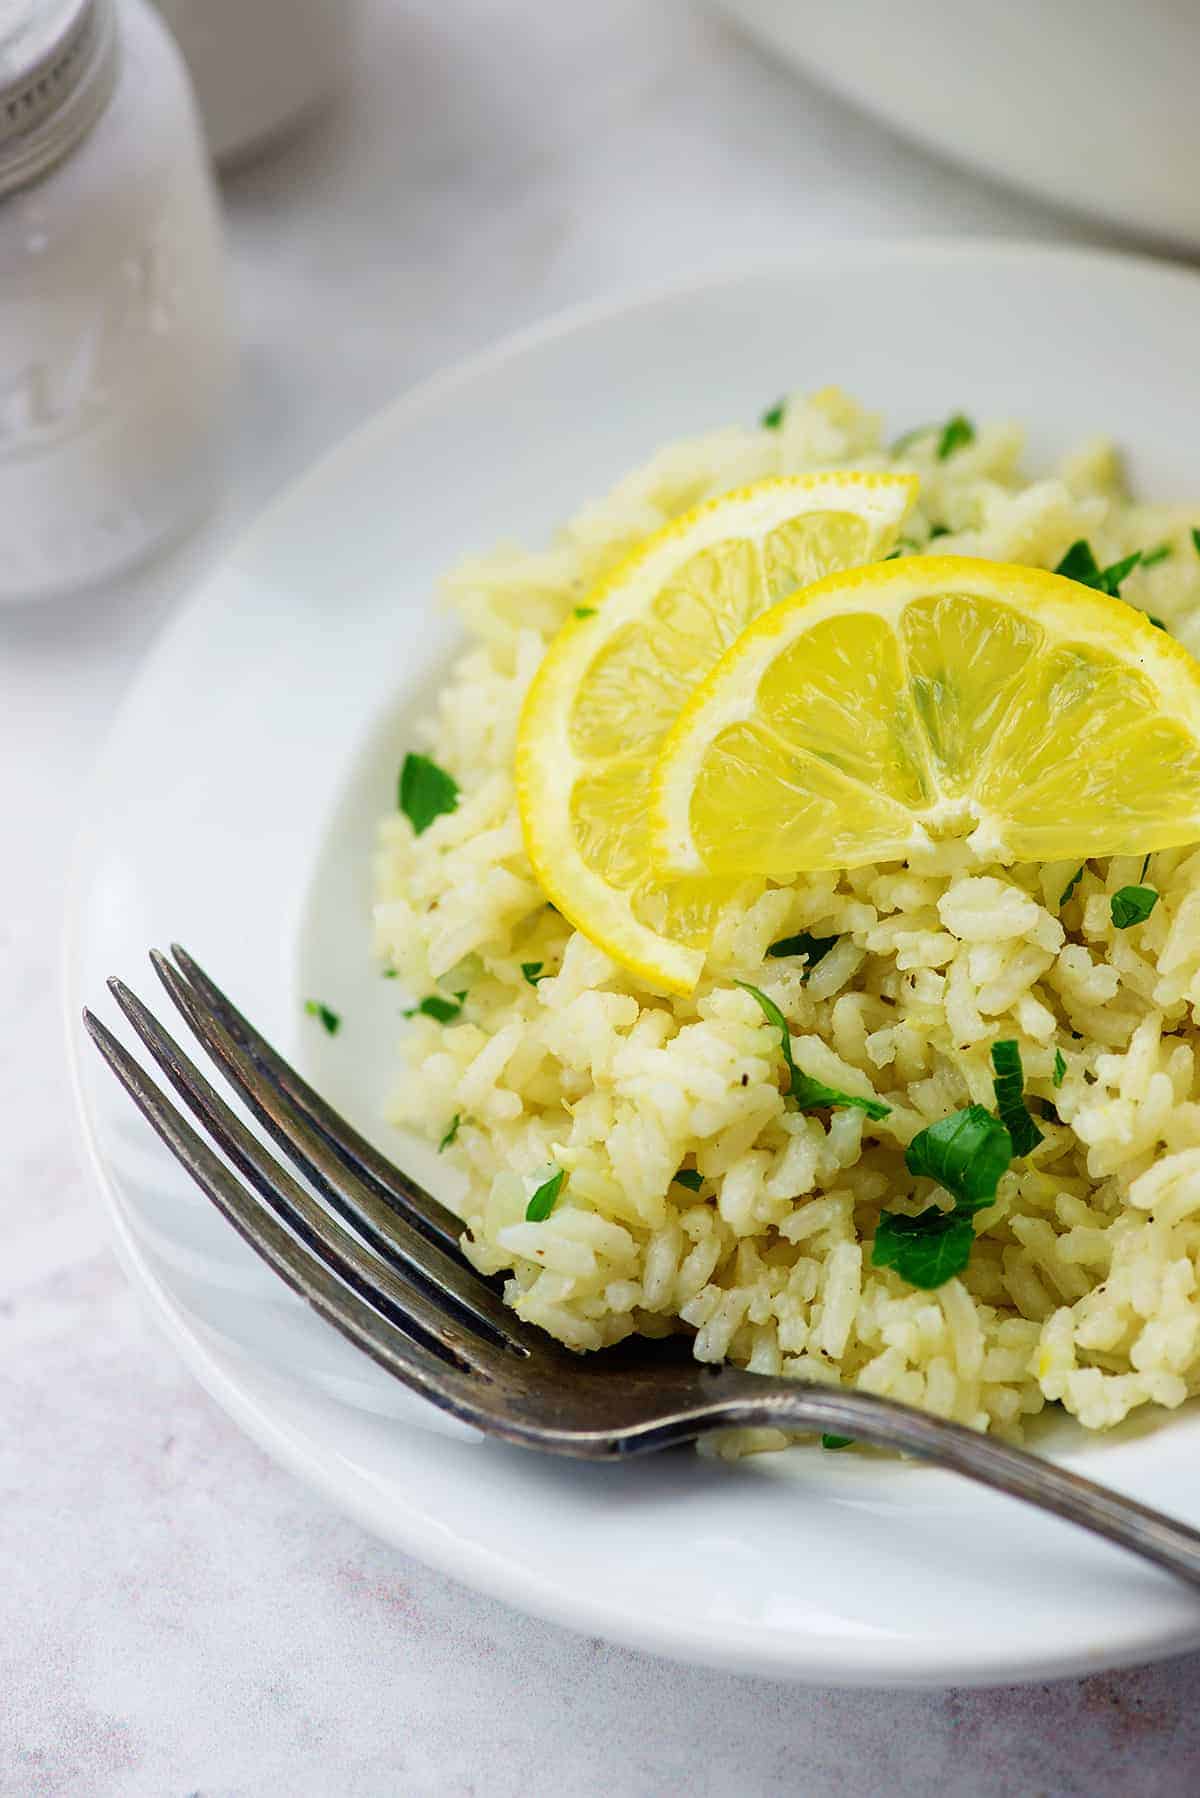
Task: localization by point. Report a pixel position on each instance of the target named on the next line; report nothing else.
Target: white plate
(233, 810)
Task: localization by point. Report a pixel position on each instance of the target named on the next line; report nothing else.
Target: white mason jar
(114, 340)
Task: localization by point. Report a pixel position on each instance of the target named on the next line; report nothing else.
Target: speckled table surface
(178, 1616)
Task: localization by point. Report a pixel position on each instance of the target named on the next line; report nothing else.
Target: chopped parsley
(828, 1441)
(1157, 622)
(774, 1016)
(926, 1250)
(1116, 572)
(1145, 865)
(773, 417)
(812, 948)
(1079, 564)
(542, 1203)
(1196, 538)
(451, 1133)
(532, 970)
(966, 1153)
(329, 1019)
(425, 791)
(585, 611)
(938, 530)
(1009, 1084)
(1132, 905)
(1070, 886)
(1060, 1067)
(957, 433)
(390, 974)
(1152, 557)
(809, 1094)
(689, 1177)
(438, 1007)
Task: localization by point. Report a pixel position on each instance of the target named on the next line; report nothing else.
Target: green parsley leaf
(440, 1009)
(689, 1177)
(390, 974)
(809, 1094)
(1196, 539)
(966, 1153)
(425, 791)
(938, 530)
(926, 1250)
(1071, 885)
(1157, 622)
(1079, 564)
(834, 1442)
(585, 611)
(532, 971)
(812, 948)
(957, 432)
(451, 1133)
(1116, 572)
(1152, 557)
(1060, 1067)
(330, 1019)
(542, 1203)
(1009, 1084)
(812, 1095)
(773, 417)
(774, 1016)
(1132, 905)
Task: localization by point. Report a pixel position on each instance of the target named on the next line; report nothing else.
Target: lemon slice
(614, 679)
(932, 697)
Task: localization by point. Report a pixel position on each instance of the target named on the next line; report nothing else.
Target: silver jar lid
(58, 63)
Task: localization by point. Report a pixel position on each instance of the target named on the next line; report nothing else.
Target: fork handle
(886, 1423)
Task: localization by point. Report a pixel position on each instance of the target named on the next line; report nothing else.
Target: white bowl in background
(1089, 103)
(259, 66)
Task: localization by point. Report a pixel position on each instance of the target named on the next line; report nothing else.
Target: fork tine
(397, 1351)
(403, 1301)
(449, 1279)
(395, 1187)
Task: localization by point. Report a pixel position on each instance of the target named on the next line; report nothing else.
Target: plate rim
(468, 1562)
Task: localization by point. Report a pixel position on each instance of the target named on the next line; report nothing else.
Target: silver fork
(379, 1258)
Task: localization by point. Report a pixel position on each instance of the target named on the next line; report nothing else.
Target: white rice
(1082, 1286)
